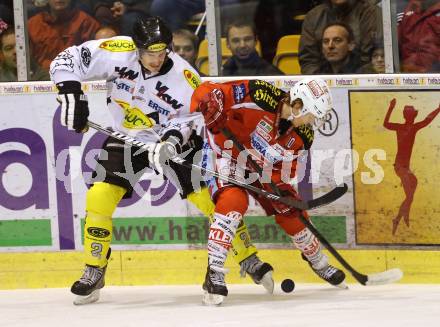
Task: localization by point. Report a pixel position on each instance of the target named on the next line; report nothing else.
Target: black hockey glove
(74, 106)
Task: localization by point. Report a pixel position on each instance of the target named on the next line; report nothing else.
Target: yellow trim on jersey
(118, 45)
(157, 47)
(192, 79)
(134, 117)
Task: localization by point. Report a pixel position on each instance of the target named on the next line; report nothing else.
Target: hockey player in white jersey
(149, 95)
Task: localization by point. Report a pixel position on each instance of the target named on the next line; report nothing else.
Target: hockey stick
(327, 198)
(385, 277)
(226, 132)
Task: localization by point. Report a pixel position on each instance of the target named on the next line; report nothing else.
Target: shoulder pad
(265, 95)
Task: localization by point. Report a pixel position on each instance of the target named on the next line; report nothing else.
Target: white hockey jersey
(140, 103)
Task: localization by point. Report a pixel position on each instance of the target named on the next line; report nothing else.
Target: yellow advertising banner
(397, 182)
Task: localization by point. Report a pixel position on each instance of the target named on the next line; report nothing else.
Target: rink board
(60, 269)
(45, 170)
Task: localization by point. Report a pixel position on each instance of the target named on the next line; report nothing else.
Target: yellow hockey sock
(101, 202)
(202, 201)
(242, 246)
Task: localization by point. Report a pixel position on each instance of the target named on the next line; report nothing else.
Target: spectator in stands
(275, 18)
(36, 6)
(122, 13)
(59, 27)
(8, 65)
(245, 61)
(176, 13)
(419, 37)
(338, 50)
(33, 7)
(106, 32)
(377, 63)
(364, 18)
(3, 25)
(186, 44)
(400, 9)
(6, 14)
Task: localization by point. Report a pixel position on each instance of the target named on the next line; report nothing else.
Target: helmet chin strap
(293, 116)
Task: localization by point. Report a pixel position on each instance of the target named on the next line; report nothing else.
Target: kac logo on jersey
(86, 56)
(128, 74)
(191, 78)
(239, 92)
(161, 89)
(118, 45)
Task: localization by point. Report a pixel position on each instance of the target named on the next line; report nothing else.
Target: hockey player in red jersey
(274, 126)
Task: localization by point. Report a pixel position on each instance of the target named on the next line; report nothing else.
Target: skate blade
(267, 282)
(212, 299)
(342, 286)
(91, 298)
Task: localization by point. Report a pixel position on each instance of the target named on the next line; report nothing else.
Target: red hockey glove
(212, 108)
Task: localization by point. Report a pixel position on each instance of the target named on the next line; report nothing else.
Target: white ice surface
(246, 305)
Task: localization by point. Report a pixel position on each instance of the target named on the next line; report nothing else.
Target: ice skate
(88, 286)
(330, 274)
(260, 272)
(214, 286)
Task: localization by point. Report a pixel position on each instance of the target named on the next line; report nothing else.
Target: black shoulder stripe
(265, 95)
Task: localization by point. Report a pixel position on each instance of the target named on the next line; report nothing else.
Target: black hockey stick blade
(327, 198)
(323, 200)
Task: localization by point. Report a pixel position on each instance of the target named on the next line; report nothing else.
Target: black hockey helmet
(151, 34)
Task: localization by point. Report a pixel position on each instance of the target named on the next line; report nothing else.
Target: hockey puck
(287, 285)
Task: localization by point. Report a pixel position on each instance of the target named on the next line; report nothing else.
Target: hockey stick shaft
(318, 202)
(385, 277)
(226, 132)
(302, 205)
(358, 276)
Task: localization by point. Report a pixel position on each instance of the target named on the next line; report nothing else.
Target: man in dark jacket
(364, 18)
(245, 61)
(338, 50)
